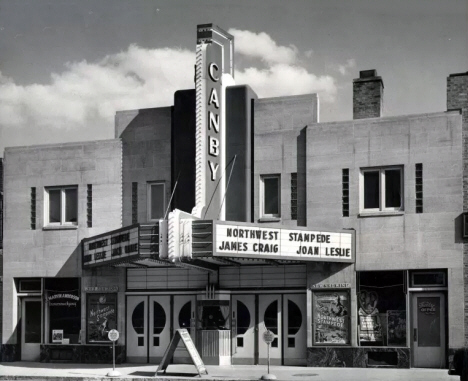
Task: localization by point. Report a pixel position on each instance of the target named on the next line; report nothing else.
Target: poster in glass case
(101, 316)
(331, 317)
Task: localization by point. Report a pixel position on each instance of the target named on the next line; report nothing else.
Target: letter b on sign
(213, 146)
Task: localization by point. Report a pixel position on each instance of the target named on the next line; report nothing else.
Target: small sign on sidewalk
(113, 336)
(268, 338)
(187, 340)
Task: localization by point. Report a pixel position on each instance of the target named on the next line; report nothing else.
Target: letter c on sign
(211, 68)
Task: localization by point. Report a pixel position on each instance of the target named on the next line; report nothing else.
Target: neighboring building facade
(229, 215)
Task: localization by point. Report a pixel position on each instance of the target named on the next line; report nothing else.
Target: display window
(64, 309)
(382, 308)
(331, 317)
(101, 317)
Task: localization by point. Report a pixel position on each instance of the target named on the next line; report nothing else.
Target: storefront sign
(102, 289)
(62, 299)
(331, 317)
(111, 247)
(101, 313)
(253, 241)
(331, 285)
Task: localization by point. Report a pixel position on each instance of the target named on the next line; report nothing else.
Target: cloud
(80, 103)
(281, 79)
(344, 69)
(261, 45)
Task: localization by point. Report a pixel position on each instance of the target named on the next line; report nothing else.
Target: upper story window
(61, 205)
(156, 200)
(270, 196)
(381, 189)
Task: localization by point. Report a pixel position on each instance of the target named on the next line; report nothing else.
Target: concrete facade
(55, 252)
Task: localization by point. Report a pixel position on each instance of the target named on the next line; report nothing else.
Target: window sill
(60, 227)
(381, 214)
(269, 219)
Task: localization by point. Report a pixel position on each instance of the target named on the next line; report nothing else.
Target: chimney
(367, 95)
(457, 92)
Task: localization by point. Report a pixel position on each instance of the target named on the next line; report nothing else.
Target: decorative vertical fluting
(200, 122)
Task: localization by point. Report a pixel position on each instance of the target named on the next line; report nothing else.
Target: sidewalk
(94, 372)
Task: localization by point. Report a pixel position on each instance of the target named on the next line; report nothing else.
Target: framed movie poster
(101, 317)
(331, 314)
(57, 335)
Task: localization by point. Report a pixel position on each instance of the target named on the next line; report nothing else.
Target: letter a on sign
(194, 355)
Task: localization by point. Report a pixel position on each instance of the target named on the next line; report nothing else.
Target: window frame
(62, 206)
(262, 196)
(382, 179)
(149, 184)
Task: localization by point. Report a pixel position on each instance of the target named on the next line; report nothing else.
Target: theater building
(230, 215)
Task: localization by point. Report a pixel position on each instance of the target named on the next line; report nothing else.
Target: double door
(151, 322)
(282, 314)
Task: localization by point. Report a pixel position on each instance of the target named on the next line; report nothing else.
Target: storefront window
(101, 316)
(64, 308)
(331, 314)
(382, 308)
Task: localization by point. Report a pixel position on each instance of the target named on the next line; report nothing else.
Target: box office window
(331, 317)
(270, 196)
(101, 316)
(156, 200)
(382, 308)
(381, 189)
(61, 205)
(64, 308)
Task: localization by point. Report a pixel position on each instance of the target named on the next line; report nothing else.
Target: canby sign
(252, 241)
(213, 72)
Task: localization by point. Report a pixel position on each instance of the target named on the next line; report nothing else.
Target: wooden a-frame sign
(187, 340)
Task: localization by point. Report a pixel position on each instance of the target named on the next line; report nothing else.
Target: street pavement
(84, 372)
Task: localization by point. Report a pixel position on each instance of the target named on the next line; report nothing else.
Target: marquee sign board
(111, 247)
(245, 240)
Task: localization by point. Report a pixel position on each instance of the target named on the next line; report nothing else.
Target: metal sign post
(113, 336)
(268, 338)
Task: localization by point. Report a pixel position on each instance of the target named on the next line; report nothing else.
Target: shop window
(63, 298)
(382, 189)
(30, 285)
(428, 279)
(331, 313)
(156, 201)
(382, 308)
(101, 317)
(61, 206)
(270, 197)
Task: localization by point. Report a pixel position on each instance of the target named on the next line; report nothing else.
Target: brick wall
(367, 95)
(457, 98)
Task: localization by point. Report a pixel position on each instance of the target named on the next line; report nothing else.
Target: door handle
(415, 334)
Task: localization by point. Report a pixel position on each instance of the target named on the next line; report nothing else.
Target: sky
(67, 66)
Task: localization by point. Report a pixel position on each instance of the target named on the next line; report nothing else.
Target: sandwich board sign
(194, 355)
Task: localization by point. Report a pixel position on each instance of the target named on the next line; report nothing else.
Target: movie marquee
(224, 239)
